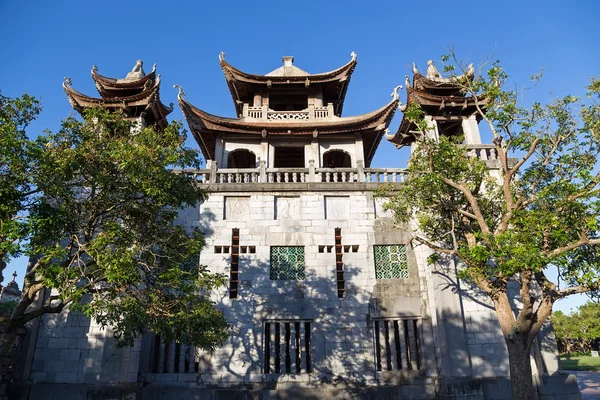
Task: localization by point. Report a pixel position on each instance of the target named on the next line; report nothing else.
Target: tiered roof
(206, 127)
(441, 98)
(243, 85)
(136, 95)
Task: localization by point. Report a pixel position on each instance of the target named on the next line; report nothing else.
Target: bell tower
(448, 109)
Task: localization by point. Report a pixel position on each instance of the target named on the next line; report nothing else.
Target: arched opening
(337, 159)
(241, 158)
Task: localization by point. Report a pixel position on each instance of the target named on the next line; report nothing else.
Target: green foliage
(541, 209)
(99, 219)
(578, 330)
(16, 167)
(6, 308)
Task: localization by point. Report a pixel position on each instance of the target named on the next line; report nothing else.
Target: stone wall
(342, 336)
(70, 348)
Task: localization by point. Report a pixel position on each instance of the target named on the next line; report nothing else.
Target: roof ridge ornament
(415, 69)
(407, 81)
(137, 72)
(181, 92)
(353, 55)
(67, 81)
(94, 69)
(222, 56)
(395, 94)
(435, 75)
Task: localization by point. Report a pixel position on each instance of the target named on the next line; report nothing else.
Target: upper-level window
(241, 158)
(289, 157)
(287, 263)
(390, 262)
(289, 102)
(336, 159)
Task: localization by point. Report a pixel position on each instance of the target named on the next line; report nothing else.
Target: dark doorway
(336, 159)
(241, 159)
(289, 157)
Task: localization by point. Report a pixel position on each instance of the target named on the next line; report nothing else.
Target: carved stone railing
(264, 113)
(262, 174)
(303, 115)
(485, 152)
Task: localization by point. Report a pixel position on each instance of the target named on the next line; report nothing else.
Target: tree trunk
(521, 381)
(8, 355)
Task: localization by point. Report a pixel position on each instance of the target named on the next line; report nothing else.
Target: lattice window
(390, 262)
(397, 344)
(287, 263)
(191, 263)
(287, 347)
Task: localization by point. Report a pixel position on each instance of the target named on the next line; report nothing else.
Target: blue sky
(44, 41)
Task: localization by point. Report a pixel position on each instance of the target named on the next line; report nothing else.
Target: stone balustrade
(485, 152)
(262, 174)
(264, 113)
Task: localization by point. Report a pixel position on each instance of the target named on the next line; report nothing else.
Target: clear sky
(44, 41)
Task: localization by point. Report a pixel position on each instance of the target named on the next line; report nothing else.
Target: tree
(541, 211)
(95, 210)
(581, 328)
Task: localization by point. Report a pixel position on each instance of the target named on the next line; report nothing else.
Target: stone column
(432, 132)
(263, 171)
(311, 170)
(360, 170)
(471, 130)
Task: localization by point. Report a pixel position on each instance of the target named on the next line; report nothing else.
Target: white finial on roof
(222, 56)
(137, 71)
(181, 92)
(353, 55)
(288, 61)
(395, 94)
(407, 81)
(94, 69)
(415, 70)
(67, 81)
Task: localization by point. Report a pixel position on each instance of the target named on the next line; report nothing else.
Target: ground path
(589, 384)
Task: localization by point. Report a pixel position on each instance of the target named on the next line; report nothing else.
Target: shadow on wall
(332, 335)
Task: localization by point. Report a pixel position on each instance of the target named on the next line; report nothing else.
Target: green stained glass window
(390, 262)
(287, 263)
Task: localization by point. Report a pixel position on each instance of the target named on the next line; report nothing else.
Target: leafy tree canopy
(536, 206)
(95, 206)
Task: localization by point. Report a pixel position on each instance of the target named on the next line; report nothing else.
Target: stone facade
(327, 297)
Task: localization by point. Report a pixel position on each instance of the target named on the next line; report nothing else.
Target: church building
(327, 297)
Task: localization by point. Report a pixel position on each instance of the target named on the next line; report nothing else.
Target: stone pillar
(432, 132)
(219, 145)
(311, 170)
(361, 171)
(263, 171)
(359, 153)
(315, 152)
(471, 130)
(212, 166)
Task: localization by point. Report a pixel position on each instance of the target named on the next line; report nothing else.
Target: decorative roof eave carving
(149, 98)
(108, 86)
(428, 99)
(464, 107)
(240, 82)
(236, 125)
(338, 74)
(420, 82)
(206, 126)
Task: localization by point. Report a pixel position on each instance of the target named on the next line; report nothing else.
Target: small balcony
(264, 113)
